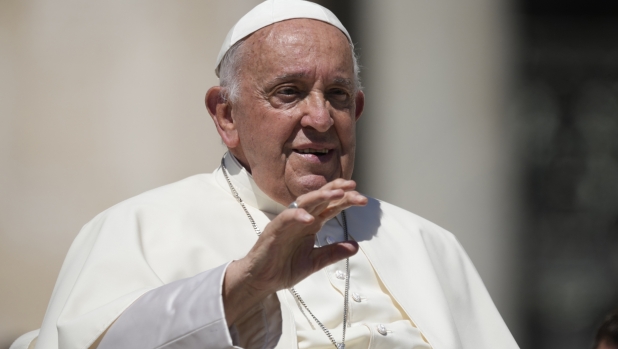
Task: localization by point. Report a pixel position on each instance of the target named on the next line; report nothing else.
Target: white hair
(231, 65)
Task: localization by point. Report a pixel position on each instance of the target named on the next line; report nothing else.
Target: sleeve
(25, 341)
(107, 270)
(187, 313)
(108, 278)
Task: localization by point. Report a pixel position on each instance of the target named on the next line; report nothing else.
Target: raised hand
(285, 254)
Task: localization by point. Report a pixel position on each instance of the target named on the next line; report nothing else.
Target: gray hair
(230, 68)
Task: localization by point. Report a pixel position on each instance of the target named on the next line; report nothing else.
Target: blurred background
(496, 119)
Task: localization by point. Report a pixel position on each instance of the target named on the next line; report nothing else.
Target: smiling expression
(294, 120)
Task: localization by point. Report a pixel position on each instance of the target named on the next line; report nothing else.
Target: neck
(240, 159)
(246, 187)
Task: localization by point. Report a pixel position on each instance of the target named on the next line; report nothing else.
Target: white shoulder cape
(184, 228)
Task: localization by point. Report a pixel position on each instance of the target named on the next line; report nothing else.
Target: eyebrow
(343, 81)
(290, 76)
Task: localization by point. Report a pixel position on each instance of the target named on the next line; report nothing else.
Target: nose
(316, 113)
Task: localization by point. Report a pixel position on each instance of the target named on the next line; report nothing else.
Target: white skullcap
(273, 11)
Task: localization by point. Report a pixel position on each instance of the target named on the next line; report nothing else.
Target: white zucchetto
(273, 11)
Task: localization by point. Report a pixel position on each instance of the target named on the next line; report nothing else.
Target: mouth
(312, 151)
(315, 155)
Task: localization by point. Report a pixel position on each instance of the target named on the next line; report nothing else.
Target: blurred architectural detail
(566, 117)
(99, 101)
(434, 135)
(102, 101)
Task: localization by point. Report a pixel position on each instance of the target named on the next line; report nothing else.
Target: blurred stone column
(433, 137)
(99, 101)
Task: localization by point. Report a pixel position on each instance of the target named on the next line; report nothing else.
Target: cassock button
(356, 297)
(382, 330)
(340, 275)
(329, 240)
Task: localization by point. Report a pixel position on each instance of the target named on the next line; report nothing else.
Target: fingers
(316, 201)
(327, 255)
(352, 198)
(333, 197)
(331, 190)
(291, 220)
(316, 207)
(340, 183)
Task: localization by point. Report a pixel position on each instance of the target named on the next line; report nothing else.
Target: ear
(360, 104)
(220, 110)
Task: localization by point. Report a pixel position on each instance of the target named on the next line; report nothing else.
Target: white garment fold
(195, 226)
(187, 313)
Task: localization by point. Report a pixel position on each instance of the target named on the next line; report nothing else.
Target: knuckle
(300, 214)
(289, 215)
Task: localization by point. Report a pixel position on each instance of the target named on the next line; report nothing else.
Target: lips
(313, 151)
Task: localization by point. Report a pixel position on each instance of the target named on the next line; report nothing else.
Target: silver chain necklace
(291, 289)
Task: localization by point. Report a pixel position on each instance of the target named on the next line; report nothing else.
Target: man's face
(297, 108)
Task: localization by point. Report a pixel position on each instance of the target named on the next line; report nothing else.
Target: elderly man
(275, 249)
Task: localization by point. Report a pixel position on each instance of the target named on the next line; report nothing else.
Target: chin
(310, 183)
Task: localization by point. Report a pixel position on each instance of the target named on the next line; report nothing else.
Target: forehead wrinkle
(292, 34)
(285, 77)
(290, 76)
(299, 75)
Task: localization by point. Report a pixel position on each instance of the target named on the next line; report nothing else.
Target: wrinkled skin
(293, 128)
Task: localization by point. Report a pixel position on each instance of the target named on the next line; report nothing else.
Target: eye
(287, 91)
(339, 95)
(286, 95)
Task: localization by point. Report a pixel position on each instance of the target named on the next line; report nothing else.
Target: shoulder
(190, 187)
(388, 228)
(393, 219)
(189, 191)
(198, 193)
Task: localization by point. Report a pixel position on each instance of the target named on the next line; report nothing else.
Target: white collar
(246, 187)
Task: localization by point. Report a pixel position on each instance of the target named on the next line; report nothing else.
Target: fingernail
(306, 217)
(350, 243)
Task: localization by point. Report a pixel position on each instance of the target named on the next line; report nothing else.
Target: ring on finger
(294, 204)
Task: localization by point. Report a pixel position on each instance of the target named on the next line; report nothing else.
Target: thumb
(327, 255)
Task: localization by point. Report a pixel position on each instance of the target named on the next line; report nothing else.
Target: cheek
(346, 131)
(347, 164)
(267, 136)
(347, 136)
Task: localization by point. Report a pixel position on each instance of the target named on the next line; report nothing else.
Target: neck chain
(291, 289)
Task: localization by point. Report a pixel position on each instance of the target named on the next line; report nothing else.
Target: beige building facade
(100, 101)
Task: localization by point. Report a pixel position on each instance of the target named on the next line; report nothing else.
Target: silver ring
(293, 205)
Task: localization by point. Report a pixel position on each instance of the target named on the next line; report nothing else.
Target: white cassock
(153, 267)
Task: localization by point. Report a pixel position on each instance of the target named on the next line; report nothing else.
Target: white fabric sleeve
(187, 313)
(25, 341)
